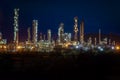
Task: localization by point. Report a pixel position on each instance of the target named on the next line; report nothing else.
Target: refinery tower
(16, 29)
(60, 33)
(49, 35)
(35, 30)
(28, 30)
(82, 32)
(76, 29)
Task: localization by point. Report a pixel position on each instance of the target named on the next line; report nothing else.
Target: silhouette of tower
(60, 33)
(49, 35)
(95, 41)
(40, 36)
(76, 29)
(82, 31)
(35, 26)
(44, 37)
(16, 29)
(0, 36)
(99, 36)
(28, 30)
(109, 41)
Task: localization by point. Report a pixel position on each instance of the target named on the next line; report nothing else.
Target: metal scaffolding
(76, 29)
(16, 29)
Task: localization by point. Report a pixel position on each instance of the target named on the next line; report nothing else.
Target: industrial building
(64, 39)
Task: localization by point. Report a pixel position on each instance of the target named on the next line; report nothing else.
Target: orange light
(19, 47)
(4, 47)
(117, 47)
(66, 45)
(32, 47)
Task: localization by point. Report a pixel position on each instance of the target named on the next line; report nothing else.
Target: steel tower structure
(28, 30)
(82, 31)
(109, 41)
(35, 30)
(0, 36)
(49, 35)
(95, 41)
(90, 41)
(61, 32)
(44, 37)
(16, 29)
(40, 36)
(76, 29)
(99, 36)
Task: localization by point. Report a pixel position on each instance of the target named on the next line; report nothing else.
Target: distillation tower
(95, 41)
(16, 29)
(60, 33)
(76, 29)
(28, 30)
(89, 41)
(109, 41)
(0, 36)
(35, 29)
(49, 35)
(82, 32)
(41, 36)
(44, 37)
(99, 36)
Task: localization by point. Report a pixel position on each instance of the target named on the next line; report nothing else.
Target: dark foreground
(84, 66)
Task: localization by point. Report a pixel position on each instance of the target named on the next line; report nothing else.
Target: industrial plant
(65, 40)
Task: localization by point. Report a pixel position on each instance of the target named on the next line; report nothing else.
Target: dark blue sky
(104, 14)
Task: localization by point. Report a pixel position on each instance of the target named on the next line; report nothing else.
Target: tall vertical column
(60, 33)
(76, 29)
(99, 36)
(113, 43)
(44, 37)
(69, 35)
(28, 30)
(16, 29)
(82, 32)
(40, 36)
(49, 35)
(0, 36)
(35, 29)
(109, 41)
(95, 41)
(90, 41)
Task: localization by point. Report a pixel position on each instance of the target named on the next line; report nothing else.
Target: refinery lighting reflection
(64, 40)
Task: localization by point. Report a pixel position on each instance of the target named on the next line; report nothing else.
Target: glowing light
(75, 43)
(77, 47)
(19, 47)
(101, 49)
(0, 46)
(113, 47)
(32, 47)
(117, 47)
(67, 44)
(4, 47)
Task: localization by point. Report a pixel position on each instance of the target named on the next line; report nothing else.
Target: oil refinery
(64, 39)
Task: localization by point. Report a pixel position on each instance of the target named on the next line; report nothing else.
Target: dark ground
(55, 66)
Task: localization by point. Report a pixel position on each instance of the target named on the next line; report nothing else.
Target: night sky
(104, 14)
